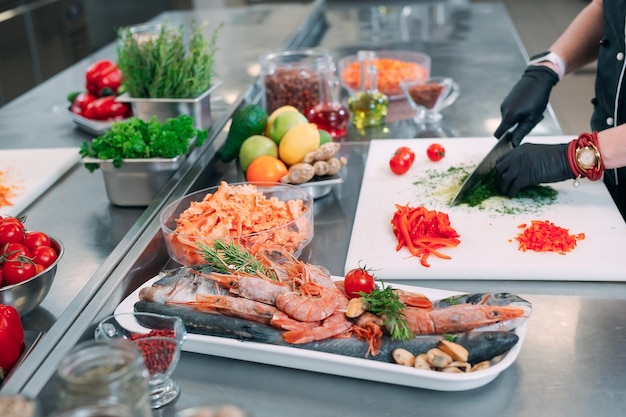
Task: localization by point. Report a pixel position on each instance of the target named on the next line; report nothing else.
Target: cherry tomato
(401, 160)
(14, 220)
(18, 270)
(11, 232)
(406, 152)
(12, 250)
(435, 152)
(34, 239)
(44, 255)
(358, 280)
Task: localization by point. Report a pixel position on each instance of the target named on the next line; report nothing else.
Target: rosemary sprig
(230, 257)
(167, 65)
(383, 302)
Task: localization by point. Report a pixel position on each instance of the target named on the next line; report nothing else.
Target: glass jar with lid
(291, 78)
(104, 373)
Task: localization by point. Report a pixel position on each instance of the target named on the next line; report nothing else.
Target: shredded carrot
(7, 191)
(423, 232)
(545, 236)
(244, 213)
(390, 73)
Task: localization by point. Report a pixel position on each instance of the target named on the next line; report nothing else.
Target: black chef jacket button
(604, 42)
(594, 101)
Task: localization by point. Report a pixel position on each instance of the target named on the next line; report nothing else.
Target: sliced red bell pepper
(11, 338)
(103, 74)
(106, 108)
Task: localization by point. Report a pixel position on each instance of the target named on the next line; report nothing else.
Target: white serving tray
(333, 364)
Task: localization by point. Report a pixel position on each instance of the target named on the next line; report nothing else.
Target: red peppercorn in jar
(291, 78)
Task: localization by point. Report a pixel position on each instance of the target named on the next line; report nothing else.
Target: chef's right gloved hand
(532, 164)
(526, 102)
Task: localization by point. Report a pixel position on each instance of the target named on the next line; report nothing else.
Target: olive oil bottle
(368, 106)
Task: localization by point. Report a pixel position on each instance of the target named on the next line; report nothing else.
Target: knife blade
(484, 167)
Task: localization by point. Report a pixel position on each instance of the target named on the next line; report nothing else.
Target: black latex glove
(531, 164)
(526, 102)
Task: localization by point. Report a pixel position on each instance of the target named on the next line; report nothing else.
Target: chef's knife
(484, 167)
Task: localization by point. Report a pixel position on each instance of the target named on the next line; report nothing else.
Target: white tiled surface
(539, 23)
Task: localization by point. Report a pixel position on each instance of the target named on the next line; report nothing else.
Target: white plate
(94, 127)
(329, 363)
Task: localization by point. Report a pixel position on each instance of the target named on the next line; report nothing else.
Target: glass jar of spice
(103, 373)
(291, 78)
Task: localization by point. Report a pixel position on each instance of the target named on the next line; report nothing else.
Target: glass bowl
(429, 97)
(27, 295)
(159, 338)
(225, 211)
(392, 66)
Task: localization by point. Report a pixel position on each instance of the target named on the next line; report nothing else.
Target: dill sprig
(230, 257)
(383, 302)
(167, 65)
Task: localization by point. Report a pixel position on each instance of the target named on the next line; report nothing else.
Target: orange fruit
(266, 168)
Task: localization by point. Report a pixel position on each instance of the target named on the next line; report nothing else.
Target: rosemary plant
(166, 65)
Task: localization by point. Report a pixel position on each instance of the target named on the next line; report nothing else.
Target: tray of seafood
(304, 324)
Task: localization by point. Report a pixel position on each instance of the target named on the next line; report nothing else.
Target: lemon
(285, 121)
(297, 142)
(274, 115)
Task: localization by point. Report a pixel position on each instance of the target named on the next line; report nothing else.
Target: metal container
(27, 295)
(137, 181)
(199, 108)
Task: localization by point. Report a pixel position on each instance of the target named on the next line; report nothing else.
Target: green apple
(283, 122)
(255, 146)
(325, 137)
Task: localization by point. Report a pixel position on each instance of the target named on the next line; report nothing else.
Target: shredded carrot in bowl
(390, 73)
(260, 217)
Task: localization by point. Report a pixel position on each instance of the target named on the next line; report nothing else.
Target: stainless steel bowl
(27, 295)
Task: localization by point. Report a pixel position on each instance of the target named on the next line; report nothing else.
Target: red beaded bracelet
(585, 140)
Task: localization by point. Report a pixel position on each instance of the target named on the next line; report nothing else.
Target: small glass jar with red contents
(291, 78)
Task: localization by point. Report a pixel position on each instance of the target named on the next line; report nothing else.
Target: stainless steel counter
(572, 360)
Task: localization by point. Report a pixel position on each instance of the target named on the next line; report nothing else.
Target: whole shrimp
(311, 302)
(458, 318)
(234, 306)
(248, 286)
(335, 325)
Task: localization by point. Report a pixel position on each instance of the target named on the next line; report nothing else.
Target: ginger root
(299, 173)
(323, 153)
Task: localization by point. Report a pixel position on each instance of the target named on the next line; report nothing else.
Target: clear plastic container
(291, 78)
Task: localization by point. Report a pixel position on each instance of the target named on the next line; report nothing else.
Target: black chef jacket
(610, 89)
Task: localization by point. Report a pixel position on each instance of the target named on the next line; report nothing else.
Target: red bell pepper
(101, 75)
(106, 108)
(80, 103)
(11, 338)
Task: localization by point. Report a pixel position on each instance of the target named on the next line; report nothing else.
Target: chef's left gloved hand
(531, 164)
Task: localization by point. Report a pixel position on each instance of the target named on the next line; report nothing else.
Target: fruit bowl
(233, 213)
(392, 66)
(27, 295)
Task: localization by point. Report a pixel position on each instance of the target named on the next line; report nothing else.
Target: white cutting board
(28, 173)
(488, 249)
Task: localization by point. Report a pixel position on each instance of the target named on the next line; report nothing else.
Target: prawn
(234, 306)
(369, 327)
(334, 326)
(312, 302)
(458, 318)
(250, 286)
